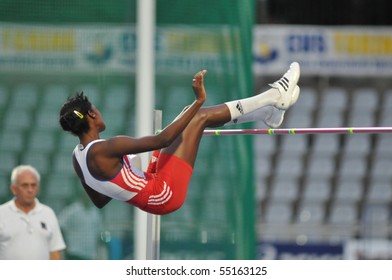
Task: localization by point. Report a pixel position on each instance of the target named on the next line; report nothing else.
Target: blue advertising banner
(292, 251)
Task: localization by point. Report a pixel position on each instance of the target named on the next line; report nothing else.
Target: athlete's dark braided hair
(73, 114)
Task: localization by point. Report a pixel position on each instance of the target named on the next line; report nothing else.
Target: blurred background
(251, 197)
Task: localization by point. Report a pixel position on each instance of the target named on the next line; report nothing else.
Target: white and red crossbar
(284, 131)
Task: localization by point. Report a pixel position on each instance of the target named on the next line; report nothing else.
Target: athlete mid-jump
(105, 166)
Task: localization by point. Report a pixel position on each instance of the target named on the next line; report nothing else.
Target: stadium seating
(344, 182)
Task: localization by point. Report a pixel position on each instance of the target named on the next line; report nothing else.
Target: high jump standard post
(154, 221)
(145, 87)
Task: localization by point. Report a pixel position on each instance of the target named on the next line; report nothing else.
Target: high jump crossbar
(285, 131)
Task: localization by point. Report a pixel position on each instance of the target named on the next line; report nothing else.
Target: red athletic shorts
(166, 189)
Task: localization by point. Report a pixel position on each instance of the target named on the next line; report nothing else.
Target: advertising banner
(293, 251)
(341, 51)
(368, 249)
(110, 48)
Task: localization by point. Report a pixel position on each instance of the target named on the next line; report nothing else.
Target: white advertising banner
(368, 249)
(110, 48)
(341, 51)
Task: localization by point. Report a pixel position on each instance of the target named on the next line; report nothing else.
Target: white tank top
(128, 182)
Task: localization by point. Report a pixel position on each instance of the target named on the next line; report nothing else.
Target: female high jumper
(105, 167)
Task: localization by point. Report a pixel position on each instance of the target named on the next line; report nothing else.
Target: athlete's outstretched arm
(122, 145)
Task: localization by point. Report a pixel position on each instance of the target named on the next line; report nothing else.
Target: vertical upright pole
(154, 221)
(145, 85)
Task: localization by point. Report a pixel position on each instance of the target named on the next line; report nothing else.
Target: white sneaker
(286, 85)
(276, 116)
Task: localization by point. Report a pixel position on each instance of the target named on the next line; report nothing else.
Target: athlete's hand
(198, 86)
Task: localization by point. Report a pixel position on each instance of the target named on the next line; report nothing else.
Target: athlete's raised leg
(271, 105)
(280, 97)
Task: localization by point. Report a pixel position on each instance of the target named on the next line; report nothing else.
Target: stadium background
(226, 215)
